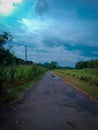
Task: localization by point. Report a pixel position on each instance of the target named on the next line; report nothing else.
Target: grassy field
(84, 79)
(15, 79)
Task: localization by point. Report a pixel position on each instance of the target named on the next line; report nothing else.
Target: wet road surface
(51, 104)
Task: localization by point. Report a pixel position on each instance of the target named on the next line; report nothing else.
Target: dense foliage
(87, 64)
(14, 76)
(52, 65)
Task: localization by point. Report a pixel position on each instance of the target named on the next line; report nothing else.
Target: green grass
(16, 79)
(84, 79)
(15, 93)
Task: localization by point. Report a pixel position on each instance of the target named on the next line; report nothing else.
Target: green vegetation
(87, 64)
(52, 65)
(15, 79)
(15, 73)
(5, 36)
(85, 79)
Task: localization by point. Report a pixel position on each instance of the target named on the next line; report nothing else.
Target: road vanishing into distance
(50, 104)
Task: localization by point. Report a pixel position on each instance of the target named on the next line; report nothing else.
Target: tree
(93, 64)
(4, 38)
(87, 64)
(6, 57)
(81, 65)
(53, 65)
(46, 65)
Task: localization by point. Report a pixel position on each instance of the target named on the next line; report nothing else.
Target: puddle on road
(53, 76)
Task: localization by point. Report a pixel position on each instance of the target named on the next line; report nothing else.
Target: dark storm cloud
(41, 7)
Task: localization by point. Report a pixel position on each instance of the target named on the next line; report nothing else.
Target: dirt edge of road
(78, 89)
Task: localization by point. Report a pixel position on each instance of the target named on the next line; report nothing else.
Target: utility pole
(25, 53)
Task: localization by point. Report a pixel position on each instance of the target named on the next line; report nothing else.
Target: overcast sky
(65, 31)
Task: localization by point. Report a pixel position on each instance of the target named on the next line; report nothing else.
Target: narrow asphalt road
(51, 104)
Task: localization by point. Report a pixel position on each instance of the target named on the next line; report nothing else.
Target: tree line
(87, 64)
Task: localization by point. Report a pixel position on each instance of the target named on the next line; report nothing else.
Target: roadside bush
(13, 76)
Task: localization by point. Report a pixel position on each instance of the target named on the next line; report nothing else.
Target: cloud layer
(55, 30)
(6, 7)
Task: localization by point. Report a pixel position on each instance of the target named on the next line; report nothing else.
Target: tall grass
(13, 77)
(16, 75)
(87, 75)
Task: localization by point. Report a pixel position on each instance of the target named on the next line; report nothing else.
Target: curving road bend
(51, 104)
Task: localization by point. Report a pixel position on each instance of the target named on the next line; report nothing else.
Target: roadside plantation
(15, 79)
(85, 79)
